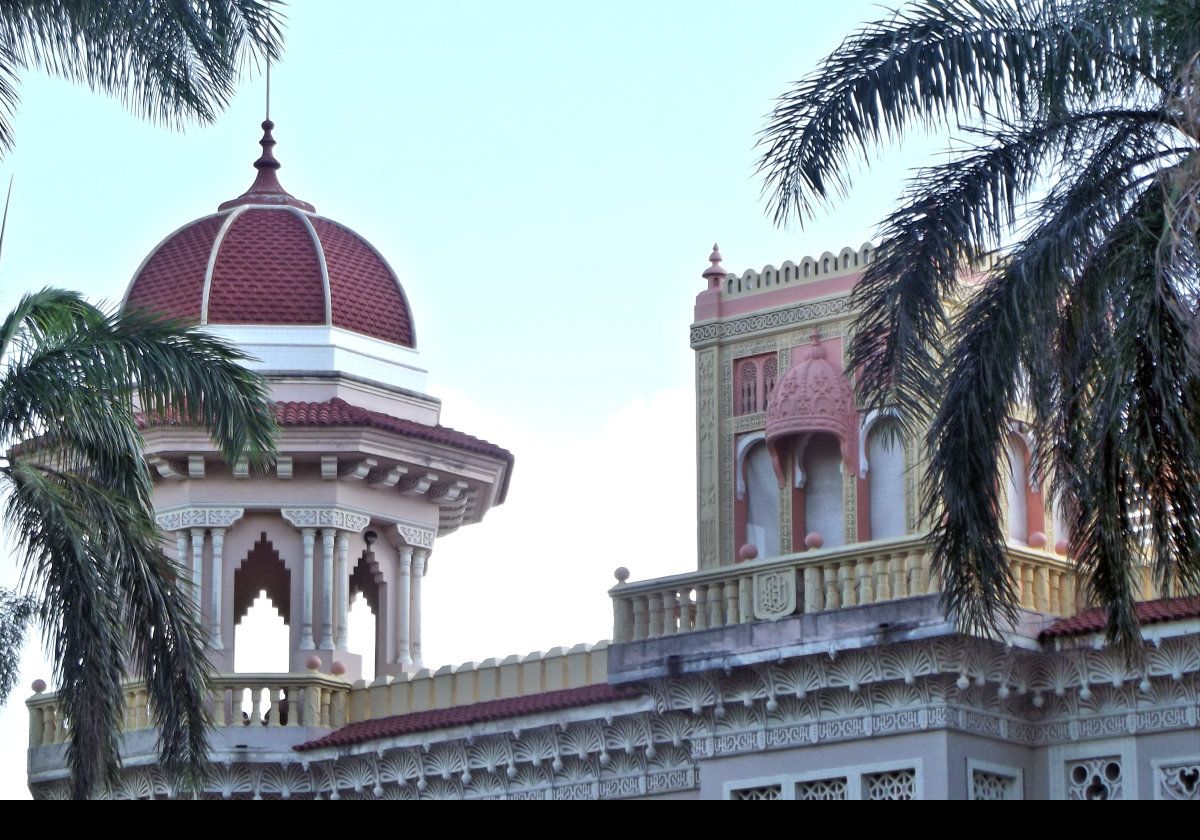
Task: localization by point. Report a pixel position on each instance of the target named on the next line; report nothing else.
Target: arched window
(748, 376)
(262, 601)
(885, 478)
(1018, 482)
(770, 374)
(762, 502)
(823, 508)
(367, 589)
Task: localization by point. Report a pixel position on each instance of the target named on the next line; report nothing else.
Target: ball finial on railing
(814, 540)
(337, 669)
(1061, 548)
(747, 552)
(313, 663)
(38, 686)
(621, 574)
(1037, 540)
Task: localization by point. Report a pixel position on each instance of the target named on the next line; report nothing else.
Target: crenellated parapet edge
(479, 682)
(845, 262)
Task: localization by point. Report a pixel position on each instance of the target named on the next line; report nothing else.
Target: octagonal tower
(366, 478)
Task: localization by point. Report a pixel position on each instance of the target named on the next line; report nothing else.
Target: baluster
(312, 706)
(833, 594)
(273, 720)
(141, 718)
(293, 709)
(256, 713)
(218, 706)
(716, 605)
(866, 585)
(883, 581)
(813, 596)
(701, 607)
(1056, 592)
(48, 730)
(641, 630)
(897, 568)
(326, 697)
(1027, 595)
(1041, 589)
(914, 566)
(731, 602)
(130, 710)
(1068, 596)
(656, 619)
(745, 604)
(670, 607)
(36, 727)
(846, 582)
(337, 709)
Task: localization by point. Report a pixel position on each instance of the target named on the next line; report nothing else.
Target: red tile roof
(267, 268)
(1148, 612)
(399, 725)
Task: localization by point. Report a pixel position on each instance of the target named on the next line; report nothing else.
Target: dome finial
(266, 188)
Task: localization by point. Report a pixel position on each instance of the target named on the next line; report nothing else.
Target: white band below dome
(281, 348)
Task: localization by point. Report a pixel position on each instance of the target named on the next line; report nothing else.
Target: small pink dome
(813, 396)
(1062, 547)
(266, 258)
(313, 663)
(337, 669)
(1037, 540)
(748, 552)
(814, 540)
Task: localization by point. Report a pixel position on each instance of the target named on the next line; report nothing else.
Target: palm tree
(76, 488)
(1076, 154)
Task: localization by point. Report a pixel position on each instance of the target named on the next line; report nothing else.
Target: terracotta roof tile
(267, 272)
(399, 725)
(363, 290)
(1148, 612)
(171, 282)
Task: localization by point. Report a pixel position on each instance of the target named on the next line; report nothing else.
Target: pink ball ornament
(313, 663)
(38, 686)
(814, 540)
(337, 669)
(1037, 540)
(747, 552)
(1061, 548)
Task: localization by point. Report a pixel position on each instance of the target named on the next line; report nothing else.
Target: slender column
(403, 600)
(185, 563)
(198, 565)
(343, 596)
(218, 551)
(418, 572)
(306, 604)
(327, 589)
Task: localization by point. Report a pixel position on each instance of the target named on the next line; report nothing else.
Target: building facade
(806, 657)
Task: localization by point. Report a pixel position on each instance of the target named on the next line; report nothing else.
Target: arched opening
(262, 611)
(821, 460)
(365, 623)
(762, 505)
(1018, 481)
(885, 479)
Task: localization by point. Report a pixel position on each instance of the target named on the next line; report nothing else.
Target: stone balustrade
(271, 700)
(815, 581)
(322, 701)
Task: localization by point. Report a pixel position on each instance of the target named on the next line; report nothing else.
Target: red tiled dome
(266, 258)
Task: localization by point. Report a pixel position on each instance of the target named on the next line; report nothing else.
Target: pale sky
(547, 178)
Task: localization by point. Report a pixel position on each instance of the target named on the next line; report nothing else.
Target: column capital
(338, 518)
(405, 534)
(198, 517)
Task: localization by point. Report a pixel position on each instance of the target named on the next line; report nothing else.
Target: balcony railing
(271, 700)
(815, 581)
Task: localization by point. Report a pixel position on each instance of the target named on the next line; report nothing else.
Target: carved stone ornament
(325, 518)
(774, 594)
(415, 535)
(198, 517)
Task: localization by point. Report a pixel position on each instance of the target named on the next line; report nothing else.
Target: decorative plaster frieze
(326, 518)
(416, 536)
(168, 469)
(356, 470)
(702, 334)
(416, 485)
(198, 517)
(386, 476)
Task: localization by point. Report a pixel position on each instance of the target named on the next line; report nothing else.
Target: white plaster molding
(166, 469)
(356, 470)
(195, 466)
(198, 517)
(241, 468)
(385, 476)
(868, 422)
(744, 446)
(448, 492)
(329, 467)
(1174, 779)
(283, 467)
(406, 534)
(334, 517)
(417, 485)
(1015, 774)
